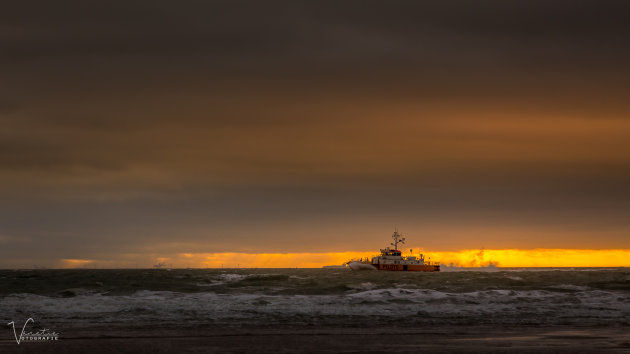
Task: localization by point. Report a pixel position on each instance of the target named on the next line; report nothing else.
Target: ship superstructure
(393, 260)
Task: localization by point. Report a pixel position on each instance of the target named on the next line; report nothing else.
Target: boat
(393, 260)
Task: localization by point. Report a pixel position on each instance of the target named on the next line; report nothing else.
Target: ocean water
(316, 297)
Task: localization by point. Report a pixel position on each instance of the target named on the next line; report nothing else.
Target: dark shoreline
(443, 339)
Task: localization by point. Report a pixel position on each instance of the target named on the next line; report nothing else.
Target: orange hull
(409, 268)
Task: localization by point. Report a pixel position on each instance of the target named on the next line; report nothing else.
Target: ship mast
(396, 236)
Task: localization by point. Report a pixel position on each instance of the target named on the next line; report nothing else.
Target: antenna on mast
(397, 239)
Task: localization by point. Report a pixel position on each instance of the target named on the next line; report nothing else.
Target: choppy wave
(288, 297)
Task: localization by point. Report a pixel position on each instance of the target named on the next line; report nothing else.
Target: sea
(339, 298)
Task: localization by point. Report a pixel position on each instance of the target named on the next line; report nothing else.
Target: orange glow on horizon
(75, 263)
(462, 258)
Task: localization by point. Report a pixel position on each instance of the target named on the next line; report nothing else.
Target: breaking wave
(290, 297)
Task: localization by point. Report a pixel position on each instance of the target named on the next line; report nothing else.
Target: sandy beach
(447, 339)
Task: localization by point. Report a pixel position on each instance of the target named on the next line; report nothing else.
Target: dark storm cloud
(422, 50)
(306, 39)
(127, 124)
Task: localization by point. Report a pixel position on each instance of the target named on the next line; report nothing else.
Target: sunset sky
(134, 132)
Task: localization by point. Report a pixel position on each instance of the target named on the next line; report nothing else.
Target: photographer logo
(44, 334)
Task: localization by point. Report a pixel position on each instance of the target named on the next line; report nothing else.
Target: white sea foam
(296, 277)
(296, 297)
(569, 287)
(229, 277)
(148, 306)
(363, 286)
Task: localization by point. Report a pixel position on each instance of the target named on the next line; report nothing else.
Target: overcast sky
(295, 126)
